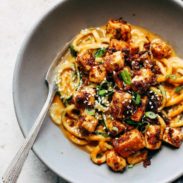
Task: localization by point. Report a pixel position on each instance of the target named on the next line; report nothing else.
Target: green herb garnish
(136, 98)
(105, 89)
(102, 92)
(114, 128)
(171, 76)
(130, 166)
(126, 77)
(66, 101)
(101, 133)
(162, 89)
(131, 122)
(90, 111)
(73, 51)
(151, 115)
(140, 125)
(100, 52)
(102, 122)
(178, 89)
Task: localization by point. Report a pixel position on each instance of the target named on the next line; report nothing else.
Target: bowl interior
(59, 26)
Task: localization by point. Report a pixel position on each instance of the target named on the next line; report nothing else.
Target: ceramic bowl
(164, 17)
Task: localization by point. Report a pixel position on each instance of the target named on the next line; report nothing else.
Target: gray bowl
(164, 17)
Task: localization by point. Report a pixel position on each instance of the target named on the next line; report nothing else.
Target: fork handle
(12, 172)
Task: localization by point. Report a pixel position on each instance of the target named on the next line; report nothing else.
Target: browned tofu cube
(114, 161)
(173, 136)
(153, 137)
(129, 143)
(118, 45)
(84, 97)
(114, 61)
(119, 101)
(137, 157)
(115, 127)
(86, 60)
(160, 49)
(97, 74)
(142, 80)
(119, 29)
(137, 115)
(89, 123)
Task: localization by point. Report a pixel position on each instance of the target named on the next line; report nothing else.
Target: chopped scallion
(73, 51)
(171, 76)
(131, 122)
(126, 77)
(101, 133)
(100, 52)
(151, 115)
(136, 98)
(90, 111)
(162, 89)
(178, 89)
(130, 166)
(102, 92)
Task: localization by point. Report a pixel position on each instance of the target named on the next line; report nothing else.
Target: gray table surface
(17, 17)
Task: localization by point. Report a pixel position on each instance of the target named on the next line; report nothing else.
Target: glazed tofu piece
(97, 74)
(137, 157)
(89, 123)
(142, 80)
(137, 115)
(129, 143)
(114, 161)
(173, 136)
(160, 49)
(118, 45)
(115, 127)
(86, 60)
(119, 29)
(114, 61)
(119, 101)
(84, 97)
(153, 137)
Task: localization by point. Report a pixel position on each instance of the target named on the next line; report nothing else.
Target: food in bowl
(120, 94)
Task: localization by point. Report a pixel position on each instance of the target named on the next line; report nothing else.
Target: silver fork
(12, 172)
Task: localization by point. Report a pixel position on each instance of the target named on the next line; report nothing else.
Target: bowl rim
(17, 66)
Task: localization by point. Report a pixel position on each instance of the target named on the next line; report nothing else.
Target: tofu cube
(86, 60)
(160, 49)
(129, 143)
(119, 101)
(142, 80)
(114, 161)
(97, 74)
(115, 127)
(89, 123)
(84, 97)
(118, 45)
(153, 137)
(114, 61)
(173, 136)
(119, 29)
